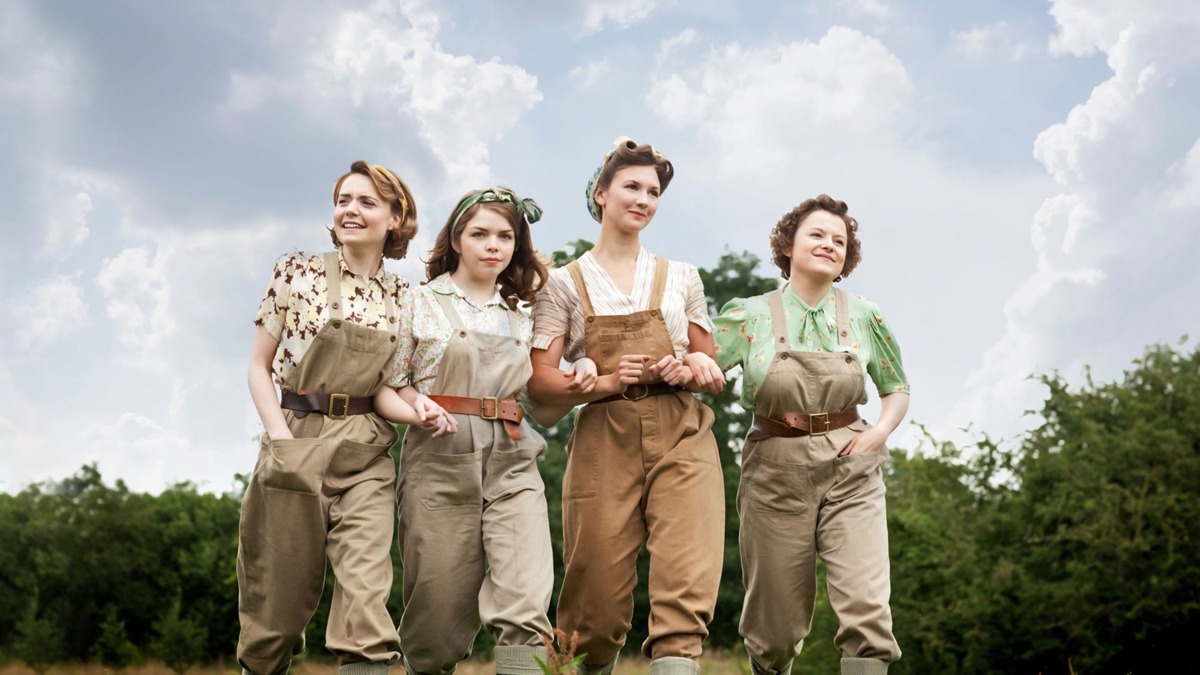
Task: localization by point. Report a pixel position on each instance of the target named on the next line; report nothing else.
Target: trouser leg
(440, 544)
(515, 596)
(778, 510)
(360, 629)
(603, 529)
(281, 555)
(685, 518)
(853, 544)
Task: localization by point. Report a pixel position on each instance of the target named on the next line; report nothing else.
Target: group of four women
(460, 360)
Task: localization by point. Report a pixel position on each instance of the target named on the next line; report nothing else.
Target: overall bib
(474, 531)
(326, 493)
(798, 501)
(638, 467)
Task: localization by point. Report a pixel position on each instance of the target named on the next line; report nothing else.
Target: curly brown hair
(783, 235)
(395, 192)
(526, 272)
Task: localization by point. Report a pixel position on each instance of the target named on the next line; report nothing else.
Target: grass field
(715, 663)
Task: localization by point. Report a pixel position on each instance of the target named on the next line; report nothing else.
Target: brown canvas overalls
(326, 493)
(474, 531)
(799, 501)
(640, 467)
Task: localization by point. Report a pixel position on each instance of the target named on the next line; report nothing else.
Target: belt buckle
(334, 401)
(644, 388)
(812, 424)
(483, 407)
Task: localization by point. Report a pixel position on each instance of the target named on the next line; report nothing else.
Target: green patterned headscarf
(527, 209)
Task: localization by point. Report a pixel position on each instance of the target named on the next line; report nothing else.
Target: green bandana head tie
(590, 191)
(527, 209)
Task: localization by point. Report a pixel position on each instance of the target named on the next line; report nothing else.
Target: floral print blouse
(744, 336)
(424, 331)
(295, 305)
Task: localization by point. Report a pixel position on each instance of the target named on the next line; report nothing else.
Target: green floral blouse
(744, 336)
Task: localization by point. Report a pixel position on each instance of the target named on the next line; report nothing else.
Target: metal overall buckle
(484, 401)
(336, 400)
(813, 419)
(643, 388)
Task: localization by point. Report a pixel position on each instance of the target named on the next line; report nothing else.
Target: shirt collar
(790, 296)
(379, 271)
(444, 285)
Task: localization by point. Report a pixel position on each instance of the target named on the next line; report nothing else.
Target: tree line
(1073, 547)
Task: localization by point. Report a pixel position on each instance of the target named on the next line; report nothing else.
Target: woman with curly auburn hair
(643, 463)
(474, 530)
(323, 485)
(812, 479)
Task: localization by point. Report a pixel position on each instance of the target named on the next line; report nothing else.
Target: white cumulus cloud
(54, 309)
(386, 62)
(138, 295)
(619, 13)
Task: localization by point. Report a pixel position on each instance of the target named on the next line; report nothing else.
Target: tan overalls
(799, 501)
(639, 467)
(326, 493)
(474, 531)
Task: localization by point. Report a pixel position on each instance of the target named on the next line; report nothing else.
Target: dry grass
(712, 663)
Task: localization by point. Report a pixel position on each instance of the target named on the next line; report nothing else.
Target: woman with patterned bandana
(474, 530)
(642, 463)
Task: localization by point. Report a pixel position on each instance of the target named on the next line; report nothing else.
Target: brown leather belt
(334, 406)
(637, 392)
(504, 410)
(801, 424)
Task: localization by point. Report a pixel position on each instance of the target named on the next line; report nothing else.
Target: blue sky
(1026, 175)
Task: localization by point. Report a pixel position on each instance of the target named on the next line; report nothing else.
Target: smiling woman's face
(819, 247)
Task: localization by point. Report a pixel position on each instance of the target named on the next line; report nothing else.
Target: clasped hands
(433, 417)
(696, 371)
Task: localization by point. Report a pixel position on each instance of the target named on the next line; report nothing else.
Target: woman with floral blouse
(323, 485)
(812, 482)
(474, 531)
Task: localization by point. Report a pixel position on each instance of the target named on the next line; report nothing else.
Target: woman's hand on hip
(871, 440)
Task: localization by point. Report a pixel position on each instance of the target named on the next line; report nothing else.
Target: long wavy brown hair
(784, 234)
(395, 192)
(526, 272)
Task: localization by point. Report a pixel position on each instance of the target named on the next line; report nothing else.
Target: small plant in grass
(560, 653)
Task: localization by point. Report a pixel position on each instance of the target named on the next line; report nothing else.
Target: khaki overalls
(637, 468)
(326, 493)
(474, 531)
(799, 501)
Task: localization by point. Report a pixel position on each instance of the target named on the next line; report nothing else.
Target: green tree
(113, 648)
(39, 639)
(181, 641)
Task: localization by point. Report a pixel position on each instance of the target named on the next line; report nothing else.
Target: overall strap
(456, 322)
(514, 322)
(660, 281)
(778, 320)
(333, 285)
(843, 317)
(585, 301)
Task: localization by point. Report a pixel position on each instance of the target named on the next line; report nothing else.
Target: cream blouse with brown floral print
(295, 306)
